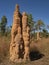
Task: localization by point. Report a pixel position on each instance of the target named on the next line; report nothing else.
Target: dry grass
(42, 46)
(4, 47)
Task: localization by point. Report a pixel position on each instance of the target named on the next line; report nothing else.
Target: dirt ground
(39, 54)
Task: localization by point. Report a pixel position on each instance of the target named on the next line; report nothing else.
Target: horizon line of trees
(37, 28)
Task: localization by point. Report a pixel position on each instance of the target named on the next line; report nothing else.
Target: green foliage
(30, 21)
(34, 26)
(45, 33)
(8, 30)
(39, 24)
(31, 24)
(3, 24)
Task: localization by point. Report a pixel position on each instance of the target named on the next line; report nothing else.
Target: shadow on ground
(35, 55)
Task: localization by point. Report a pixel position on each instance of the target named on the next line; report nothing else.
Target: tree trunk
(38, 36)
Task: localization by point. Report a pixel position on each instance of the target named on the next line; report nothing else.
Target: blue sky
(38, 8)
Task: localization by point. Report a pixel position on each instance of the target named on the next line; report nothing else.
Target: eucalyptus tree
(3, 24)
(30, 23)
(39, 26)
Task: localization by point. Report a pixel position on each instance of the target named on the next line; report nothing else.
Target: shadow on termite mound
(35, 55)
